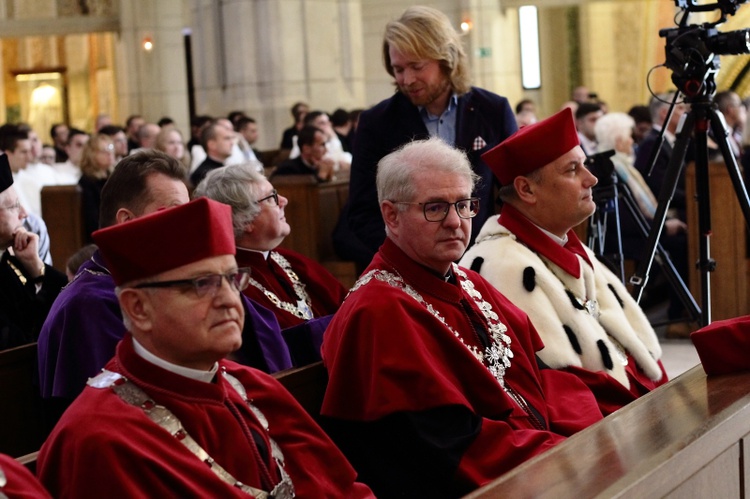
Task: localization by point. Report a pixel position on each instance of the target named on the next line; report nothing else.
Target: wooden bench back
(61, 211)
(21, 430)
(312, 213)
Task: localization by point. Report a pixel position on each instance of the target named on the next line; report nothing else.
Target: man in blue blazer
(423, 52)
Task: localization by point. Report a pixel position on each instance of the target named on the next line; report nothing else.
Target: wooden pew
(312, 213)
(21, 429)
(307, 384)
(61, 211)
(729, 282)
(688, 438)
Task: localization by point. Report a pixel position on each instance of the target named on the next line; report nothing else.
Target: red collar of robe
(533, 237)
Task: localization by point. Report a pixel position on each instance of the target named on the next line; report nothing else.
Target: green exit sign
(485, 52)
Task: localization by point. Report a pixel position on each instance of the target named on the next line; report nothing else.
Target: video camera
(693, 50)
(602, 167)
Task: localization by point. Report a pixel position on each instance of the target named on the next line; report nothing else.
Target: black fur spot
(529, 279)
(476, 264)
(606, 358)
(573, 339)
(619, 300)
(573, 300)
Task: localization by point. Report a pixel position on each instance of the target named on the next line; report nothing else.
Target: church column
(153, 82)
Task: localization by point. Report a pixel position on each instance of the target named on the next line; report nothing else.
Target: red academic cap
(533, 147)
(166, 239)
(6, 176)
(724, 346)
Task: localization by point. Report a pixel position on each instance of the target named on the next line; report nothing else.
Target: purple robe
(85, 324)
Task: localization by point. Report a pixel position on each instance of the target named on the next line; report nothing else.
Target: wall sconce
(148, 44)
(466, 25)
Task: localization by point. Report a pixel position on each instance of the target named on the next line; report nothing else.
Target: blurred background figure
(96, 163)
(170, 141)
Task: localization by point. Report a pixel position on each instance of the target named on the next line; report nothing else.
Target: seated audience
(342, 159)
(296, 288)
(97, 160)
(299, 110)
(119, 139)
(85, 323)
(16, 482)
(434, 387)
(59, 135)
(70, 171)
(28, 286)
(217, 141)
(312, 159)
(587, 320)
(171, 142)
(77, 259)
(168, 416)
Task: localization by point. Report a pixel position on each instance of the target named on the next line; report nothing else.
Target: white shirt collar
(562, 241)
(264, 253)
(196, 374)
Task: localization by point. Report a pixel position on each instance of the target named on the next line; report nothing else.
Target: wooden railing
(688, 438)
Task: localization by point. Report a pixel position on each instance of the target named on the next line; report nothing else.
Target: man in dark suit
(312, 158)
(423, 52)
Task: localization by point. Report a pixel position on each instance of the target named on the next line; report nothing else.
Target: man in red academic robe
(434, 388)
(299, 290)
(589, 323)
(168, 417)
(16, 482)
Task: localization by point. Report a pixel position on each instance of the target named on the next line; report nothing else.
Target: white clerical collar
(196, 374)
(562, 241)
(264, 253)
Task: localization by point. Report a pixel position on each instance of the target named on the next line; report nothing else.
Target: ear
(124, 215)
(390, 215)
(526, 189)
(136, 304)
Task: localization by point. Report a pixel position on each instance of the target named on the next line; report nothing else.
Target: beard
(428, 94)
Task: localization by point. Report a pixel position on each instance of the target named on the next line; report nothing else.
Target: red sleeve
(20, 482)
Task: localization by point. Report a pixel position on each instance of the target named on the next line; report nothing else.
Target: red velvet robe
(21, 484)
(386, 354)
(105, 447)
(325, 291)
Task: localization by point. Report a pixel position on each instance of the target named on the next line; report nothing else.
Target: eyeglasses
(274, 194)
(437, 211)
(207, 284)
(14, 207)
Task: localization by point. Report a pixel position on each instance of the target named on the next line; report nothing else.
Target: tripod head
(693, 50)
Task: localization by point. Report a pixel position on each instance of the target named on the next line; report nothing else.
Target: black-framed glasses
(207, 284)
(437, 211)
(274, 194)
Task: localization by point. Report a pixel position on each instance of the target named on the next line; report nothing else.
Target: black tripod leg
(670, 272)
(671, 176)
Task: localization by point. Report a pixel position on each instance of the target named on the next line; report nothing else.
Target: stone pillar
(261, 56)
(153, 83)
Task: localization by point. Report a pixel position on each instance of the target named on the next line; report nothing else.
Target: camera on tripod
(693, 50)
(601, 166)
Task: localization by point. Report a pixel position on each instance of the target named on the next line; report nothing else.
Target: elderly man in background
(299, 290)
(168, 416)
(587, 320)
(434, 388)
(28, 286)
